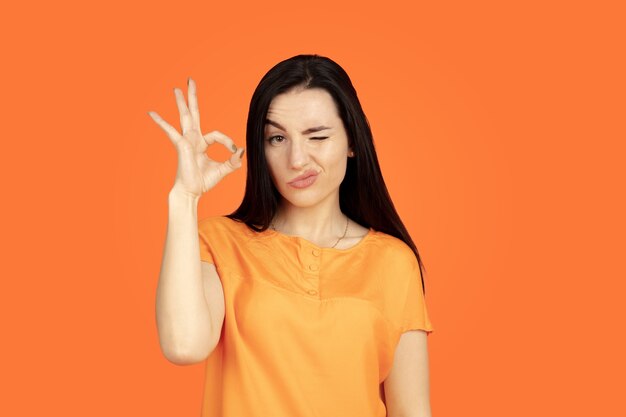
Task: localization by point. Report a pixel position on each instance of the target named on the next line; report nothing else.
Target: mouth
(304, 180)
(309, 173)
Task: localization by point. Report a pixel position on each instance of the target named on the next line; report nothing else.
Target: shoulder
(211, 220)
(210, 223)
(216, 222)
(395, 250)
(218, 225)
(395, 260)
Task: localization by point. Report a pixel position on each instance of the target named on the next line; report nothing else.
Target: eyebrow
(309, 130)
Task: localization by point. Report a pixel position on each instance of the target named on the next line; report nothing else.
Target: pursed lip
(307, 174)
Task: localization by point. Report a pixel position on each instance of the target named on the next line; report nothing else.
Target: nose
(298, 155)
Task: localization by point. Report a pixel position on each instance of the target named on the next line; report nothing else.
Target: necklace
(344, 232)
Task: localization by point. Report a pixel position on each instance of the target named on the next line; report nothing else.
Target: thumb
(233, 163)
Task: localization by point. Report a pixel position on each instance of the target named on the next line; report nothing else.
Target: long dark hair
(363, 195)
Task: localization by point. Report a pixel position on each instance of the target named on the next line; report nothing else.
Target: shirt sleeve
(206, 252)
(414, 314)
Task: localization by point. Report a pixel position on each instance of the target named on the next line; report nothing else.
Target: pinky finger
(172, 133)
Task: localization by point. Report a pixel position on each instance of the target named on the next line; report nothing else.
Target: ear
(350, 153)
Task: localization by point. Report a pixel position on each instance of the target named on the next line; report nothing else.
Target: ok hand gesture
(197, 173)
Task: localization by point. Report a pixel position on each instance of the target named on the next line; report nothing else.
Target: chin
(302, 200)
(306, 198)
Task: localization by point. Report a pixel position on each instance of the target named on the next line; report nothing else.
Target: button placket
(312, 267)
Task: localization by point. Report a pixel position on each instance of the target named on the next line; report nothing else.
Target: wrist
(177, 195)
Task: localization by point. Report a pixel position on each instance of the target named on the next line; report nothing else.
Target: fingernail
(234, 148)
(241, 156)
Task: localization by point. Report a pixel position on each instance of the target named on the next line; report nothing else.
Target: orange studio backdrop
(499, 128)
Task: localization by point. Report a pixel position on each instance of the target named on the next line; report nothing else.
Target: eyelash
(280, 136)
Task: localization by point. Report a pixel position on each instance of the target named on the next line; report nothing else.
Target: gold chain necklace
(344, 232)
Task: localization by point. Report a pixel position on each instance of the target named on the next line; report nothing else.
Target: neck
(321, 222)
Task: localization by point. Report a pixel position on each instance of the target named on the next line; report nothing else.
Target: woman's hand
(197, 173)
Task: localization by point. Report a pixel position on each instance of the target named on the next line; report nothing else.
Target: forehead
(300, 107)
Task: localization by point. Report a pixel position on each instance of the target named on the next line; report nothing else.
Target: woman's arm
(186, 332)
(189, 300)
(407, 389)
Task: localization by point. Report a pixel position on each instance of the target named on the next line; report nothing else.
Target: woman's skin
(190, 298)
(313, 212)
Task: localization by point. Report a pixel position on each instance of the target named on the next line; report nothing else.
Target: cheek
(337, 160)
(272, 168)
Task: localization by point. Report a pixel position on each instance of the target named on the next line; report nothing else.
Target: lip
(307, 174)
(305, 180)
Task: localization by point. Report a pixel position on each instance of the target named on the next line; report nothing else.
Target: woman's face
(304, 134)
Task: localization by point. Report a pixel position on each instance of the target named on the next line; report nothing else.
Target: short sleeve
(414, 315)
(206, 253)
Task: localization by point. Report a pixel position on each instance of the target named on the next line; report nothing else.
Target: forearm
(182, 314)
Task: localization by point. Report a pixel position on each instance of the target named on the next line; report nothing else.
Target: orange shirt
(308, 331)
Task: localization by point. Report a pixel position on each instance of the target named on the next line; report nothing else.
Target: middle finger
(193, 104)
(185, 116)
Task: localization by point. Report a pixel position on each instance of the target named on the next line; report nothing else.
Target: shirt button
(313, 267)
(312, 292)
(315, 252)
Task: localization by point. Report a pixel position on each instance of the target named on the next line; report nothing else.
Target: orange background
(500, 132)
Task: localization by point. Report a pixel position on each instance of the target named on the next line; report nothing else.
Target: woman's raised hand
(197, 173)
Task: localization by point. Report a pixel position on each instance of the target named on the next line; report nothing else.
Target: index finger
(217, 136)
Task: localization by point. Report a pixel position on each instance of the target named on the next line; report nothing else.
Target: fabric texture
(308, 331)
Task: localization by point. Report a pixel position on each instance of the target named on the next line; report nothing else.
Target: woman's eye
(272, 139)
(279, 138)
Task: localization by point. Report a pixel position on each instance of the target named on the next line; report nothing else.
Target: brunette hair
(363, 195)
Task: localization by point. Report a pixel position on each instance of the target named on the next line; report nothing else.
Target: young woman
(308, 299)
